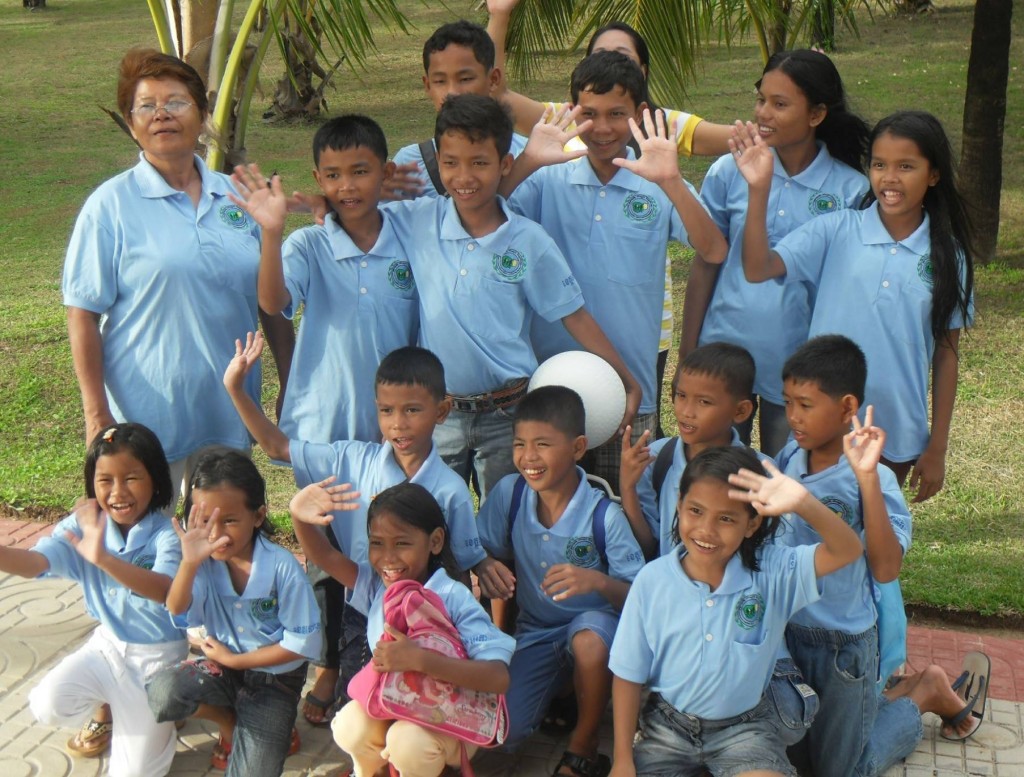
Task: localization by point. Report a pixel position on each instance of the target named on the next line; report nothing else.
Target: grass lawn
(56, 146)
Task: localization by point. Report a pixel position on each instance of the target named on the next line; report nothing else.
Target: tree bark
(981, 163)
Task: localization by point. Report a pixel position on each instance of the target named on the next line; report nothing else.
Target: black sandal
(561, 715)
(598, 766)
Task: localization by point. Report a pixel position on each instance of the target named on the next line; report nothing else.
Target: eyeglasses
(148, 110)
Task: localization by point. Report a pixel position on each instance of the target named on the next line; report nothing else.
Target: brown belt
(490, 400)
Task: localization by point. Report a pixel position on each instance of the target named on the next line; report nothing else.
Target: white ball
(599, 386)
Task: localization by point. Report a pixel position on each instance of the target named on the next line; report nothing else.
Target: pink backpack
(476, 717)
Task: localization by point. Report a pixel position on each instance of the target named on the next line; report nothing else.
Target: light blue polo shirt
(411, 153)
(877, 292)
(769, 320)
(277, 606)
(846, 602)
(614, 236)
(371, 468)
(479, 296)
(358, 308)
(174, 286)
(151, 544)
(537, 548)
(711, 653)
(482, 639)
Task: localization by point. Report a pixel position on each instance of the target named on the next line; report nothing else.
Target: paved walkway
(42, 621)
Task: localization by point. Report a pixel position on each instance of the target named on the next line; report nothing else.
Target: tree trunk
(779, 26)
(823, 30)
(981, 164)
(198, 19)
(296, 96)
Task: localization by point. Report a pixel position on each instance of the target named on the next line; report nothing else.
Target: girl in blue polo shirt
(261, 621)
(702, 625)
(408, 541)
(121, 549)
(897, 278)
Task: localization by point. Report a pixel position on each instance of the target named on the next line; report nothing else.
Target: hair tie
(108, 435)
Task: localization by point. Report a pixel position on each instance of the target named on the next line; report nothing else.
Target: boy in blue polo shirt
(575, 558)
(711, 393)
(484, 275)
(458, 58)
(834, 641)
(613, 215)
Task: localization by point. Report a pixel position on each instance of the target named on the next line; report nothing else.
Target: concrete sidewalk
(42, 621)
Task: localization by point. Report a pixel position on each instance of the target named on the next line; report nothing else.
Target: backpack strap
(513, 506)
(661, 466)
(429, 155)
(596, 518)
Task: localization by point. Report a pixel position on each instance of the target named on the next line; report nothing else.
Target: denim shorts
(675, 744)
(795, 703)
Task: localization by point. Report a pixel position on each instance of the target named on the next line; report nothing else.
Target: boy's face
(456, 70)
(545, 455)
(471, 171)
(407, 414)
(816, 419)
(705, 410)
(351, 180)
(608, 137)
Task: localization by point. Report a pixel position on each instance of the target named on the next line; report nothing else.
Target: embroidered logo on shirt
(400, 275)
(511, 265)
(749, 611)
(926, 271)
(640, 208)
(144, 561)
(264, 609)
(823, 202)
(840, 508)
(899, 523)
(234, 216)
(581, 552)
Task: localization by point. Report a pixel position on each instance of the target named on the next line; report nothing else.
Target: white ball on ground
(599, 386)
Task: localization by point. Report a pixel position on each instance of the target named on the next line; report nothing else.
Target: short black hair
(349, 131)
(143, 444)
(834, 362)
(461, 33)
(476, 117)
(603, 71)
(731, 364)
(556, 405)
(412, 366)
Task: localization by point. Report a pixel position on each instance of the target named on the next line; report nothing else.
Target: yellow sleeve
(686, 123)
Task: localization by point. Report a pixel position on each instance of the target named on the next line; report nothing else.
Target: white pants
(106, 670)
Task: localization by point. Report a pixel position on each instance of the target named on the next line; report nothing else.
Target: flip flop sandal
(323, 705)
(598, 766)
(221, 754)
(972, 687)
(561, 715)
(93, 739)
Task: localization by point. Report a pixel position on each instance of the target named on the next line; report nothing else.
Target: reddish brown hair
(150, 63)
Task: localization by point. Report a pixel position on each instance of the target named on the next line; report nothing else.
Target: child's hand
(316, 204)
(501, 6)
(405, 183)
(496, 579)
(196, 545)
(399, 655)
(928, 474)
(772, 495)
(245, 359)
(264, 201)
(217, 651)
(315, 503)
(635, 459)
(659, 154)
(864, 445)
(93, 524)
(548, 137)
(754, 159)
(565, 580)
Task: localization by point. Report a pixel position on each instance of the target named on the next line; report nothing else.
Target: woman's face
(617, 40)
(164, 118)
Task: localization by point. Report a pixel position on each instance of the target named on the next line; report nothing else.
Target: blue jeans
(794, 701)
(353, 651)
(897, 730)
(477, 444)
(541, 668)
(671, 742)
(265, 706)
(843, 669)
(771, 423)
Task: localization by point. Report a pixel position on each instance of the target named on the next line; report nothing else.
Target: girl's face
(400, 551)
(900, 175)
(617, 40)
(124, 487)
(236, 520)
(782, 112)
(711, 525)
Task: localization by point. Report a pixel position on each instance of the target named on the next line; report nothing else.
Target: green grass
(56, 146)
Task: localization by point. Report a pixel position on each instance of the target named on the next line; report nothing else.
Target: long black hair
(949, 225)
(411, 503)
